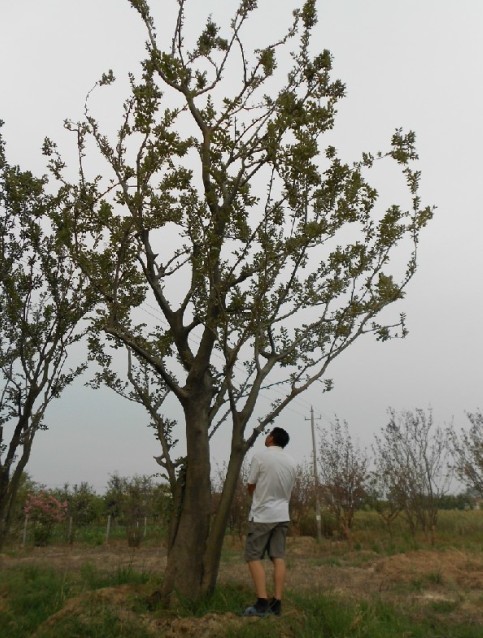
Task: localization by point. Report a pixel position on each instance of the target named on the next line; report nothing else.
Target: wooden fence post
(69, 533)
(108, 528)
(24, 533)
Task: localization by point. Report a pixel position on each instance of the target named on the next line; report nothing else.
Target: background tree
(131, 500)
(467, 448)
(44, 510)
(302, 502)
(84, 506)
(343, 469)
(265, 254)
(385, 493)
(411, 454)
(143, 386)
(42, 302)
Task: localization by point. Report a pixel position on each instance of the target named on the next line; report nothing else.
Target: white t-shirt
(273, 472)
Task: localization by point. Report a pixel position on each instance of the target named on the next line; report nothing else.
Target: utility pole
(318, 518)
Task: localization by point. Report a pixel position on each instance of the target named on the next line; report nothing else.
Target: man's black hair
(280, 437)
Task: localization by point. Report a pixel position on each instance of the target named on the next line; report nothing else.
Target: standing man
(270, 482)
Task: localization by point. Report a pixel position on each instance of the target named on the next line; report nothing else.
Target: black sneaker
(260, 608)
(275, 606)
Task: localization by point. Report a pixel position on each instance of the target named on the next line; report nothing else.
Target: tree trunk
(196, 540)
(3, 509)
(9, 486)
(185, 566)
(220, 520)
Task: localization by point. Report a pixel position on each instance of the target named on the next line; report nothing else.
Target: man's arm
(251, 488)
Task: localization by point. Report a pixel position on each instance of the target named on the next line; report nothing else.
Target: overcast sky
(415, 64)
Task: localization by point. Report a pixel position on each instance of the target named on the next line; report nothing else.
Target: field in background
(454, 526)
(381, 586)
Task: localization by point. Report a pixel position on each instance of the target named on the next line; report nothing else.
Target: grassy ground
(41, 602)
(381, 587)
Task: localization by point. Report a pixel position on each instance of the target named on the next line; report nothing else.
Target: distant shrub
(44, 510)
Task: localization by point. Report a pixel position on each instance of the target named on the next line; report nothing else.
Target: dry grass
(421, 577)
(417, 581)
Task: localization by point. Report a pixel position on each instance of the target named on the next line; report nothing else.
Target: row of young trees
(218, 201)
(407, 471)
(127, 502)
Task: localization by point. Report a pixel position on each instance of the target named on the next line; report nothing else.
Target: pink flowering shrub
(44, 510)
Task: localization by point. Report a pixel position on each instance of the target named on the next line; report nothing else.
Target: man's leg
(256, 543)
(279, 571)
(261, 606)
(277, 553)
(258, 576)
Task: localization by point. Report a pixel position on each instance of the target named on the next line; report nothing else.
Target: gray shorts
(265, 538)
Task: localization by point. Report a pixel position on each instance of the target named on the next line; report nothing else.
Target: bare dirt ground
(417, 579)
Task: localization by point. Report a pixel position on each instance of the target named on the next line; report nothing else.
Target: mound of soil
(91, 607)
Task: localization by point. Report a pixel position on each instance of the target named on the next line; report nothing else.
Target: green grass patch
(94, 623)
(93, 578)
(330, 561)
(329, 617)
(445, 606)
(30, 595)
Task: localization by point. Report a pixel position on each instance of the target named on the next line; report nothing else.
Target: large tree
(264, 253)
(43, 300)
